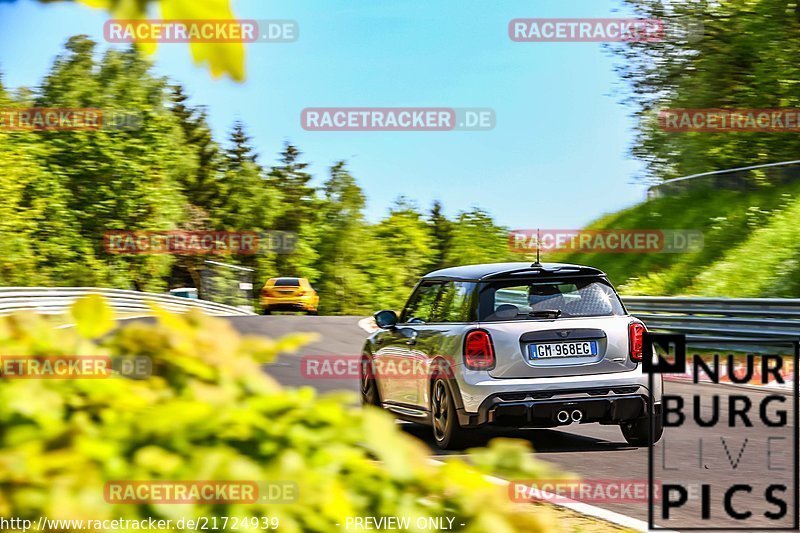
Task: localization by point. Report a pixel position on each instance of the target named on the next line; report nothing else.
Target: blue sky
(557, 158)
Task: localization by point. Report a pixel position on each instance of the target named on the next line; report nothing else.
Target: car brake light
(636, 340)
(478, 350)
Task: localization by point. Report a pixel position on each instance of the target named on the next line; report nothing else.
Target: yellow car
(289, 294)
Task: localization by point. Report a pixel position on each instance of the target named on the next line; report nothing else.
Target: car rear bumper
(544, 413)
(289, 303)
(606, 398)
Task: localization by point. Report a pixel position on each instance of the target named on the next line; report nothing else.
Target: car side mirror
(385, 319)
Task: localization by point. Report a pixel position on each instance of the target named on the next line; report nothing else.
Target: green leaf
(93, 316)
(222, 58)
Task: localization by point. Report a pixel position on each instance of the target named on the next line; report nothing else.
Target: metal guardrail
(710, 319)
(741, 178)
(713, 319)
(720, 319)
(56, 300)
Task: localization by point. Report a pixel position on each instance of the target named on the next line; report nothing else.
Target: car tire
(447, 432)
(637, 432)
(368, 384)
(313, 313)
(266, 311)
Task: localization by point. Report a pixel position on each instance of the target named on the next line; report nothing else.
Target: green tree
(63, 190)
(203, 187)
(477, 239)
(247, 200)
(298, 212)
(222, 58)
(442, 231)
(734, 54)
(293, 182)
(404, 250)
(344, 285)
(40, 240)
(116, 179)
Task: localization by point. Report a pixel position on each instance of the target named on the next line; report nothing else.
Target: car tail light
(636, 340)
(478, 350)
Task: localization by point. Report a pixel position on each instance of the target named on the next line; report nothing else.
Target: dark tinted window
(420, 306)
(287, 282)
(575, 297)
(454, 303)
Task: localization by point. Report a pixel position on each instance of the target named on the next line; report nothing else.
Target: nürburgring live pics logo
(737, 439)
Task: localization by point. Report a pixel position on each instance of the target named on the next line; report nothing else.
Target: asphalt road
(690, 455)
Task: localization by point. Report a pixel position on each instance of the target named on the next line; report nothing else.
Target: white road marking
(579, 507)
(368, 325)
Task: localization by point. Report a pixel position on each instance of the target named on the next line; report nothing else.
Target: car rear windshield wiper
(546, 313)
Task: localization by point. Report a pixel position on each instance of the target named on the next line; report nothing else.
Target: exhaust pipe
(577, 416)
(562, 417)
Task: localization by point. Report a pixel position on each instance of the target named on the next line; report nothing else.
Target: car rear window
(287, 282)
(532, 299)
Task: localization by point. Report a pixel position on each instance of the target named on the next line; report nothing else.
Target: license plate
(563, 349)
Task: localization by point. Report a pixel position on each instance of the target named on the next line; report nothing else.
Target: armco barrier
(742, 178)
(710, 319)
(719, 319)
(699, 318)
(56, 300)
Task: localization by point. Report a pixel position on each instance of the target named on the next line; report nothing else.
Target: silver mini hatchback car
(515, 345)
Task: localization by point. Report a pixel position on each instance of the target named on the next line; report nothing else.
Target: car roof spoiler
(546, 271)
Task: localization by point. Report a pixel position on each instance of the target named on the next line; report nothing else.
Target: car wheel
(637, 432)
(314, 312)
(369, 388)
(266, 311)
(447, 432)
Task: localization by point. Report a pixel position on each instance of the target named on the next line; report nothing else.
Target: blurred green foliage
(209, 412)
(749, 245)
(732, 54)
(63, 189)
(221, 58)
(737, 54)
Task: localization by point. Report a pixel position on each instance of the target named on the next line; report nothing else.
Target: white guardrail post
(56, 300)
